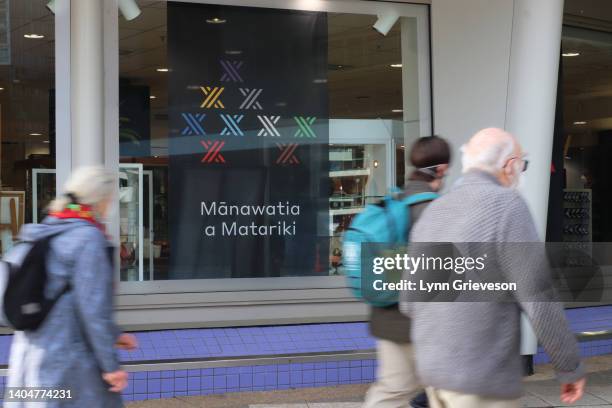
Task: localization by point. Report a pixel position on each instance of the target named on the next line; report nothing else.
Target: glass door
(43, 192)
(132, 180)
(131, 236)
(149, 247)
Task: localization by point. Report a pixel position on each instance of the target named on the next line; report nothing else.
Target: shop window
(580, 182)
(250, 137)
(27, 115)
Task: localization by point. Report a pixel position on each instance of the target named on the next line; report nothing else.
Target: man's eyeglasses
(525, 163)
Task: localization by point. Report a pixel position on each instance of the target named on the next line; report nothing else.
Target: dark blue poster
(248, 147)
(134, 121)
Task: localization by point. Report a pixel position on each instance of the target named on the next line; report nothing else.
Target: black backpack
(25, 305)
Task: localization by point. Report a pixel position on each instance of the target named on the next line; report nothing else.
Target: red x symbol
(213, 149)
(287, 156)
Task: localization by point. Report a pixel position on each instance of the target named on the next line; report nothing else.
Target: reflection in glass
(581, 186)
(27, 112)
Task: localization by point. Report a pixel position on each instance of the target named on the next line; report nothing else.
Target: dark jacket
(388, 323)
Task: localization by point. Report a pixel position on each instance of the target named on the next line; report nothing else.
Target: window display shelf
(346, 211)
(350, 173)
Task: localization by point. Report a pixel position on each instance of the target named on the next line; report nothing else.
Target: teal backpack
(387, 222)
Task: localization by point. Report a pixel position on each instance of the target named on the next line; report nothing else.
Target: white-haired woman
(74, 348)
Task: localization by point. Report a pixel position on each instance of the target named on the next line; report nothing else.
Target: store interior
(581, 184)
(27, 114)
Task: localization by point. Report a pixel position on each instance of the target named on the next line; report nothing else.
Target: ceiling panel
(143, 42)
(28, 81)
(365, 87)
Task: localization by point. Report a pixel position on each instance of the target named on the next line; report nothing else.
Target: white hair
(89, 185)
(490, 158)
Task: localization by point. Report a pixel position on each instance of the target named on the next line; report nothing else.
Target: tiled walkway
(542, 392)
(253, 341)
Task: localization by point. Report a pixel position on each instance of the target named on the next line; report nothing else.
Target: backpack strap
(67, 285)
(395, 216)
(408, 202)
(420, 198)
(398, 215)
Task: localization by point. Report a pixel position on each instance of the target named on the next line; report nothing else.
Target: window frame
(63, 124)
(183, 300)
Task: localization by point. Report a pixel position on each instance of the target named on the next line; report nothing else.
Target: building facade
(248, 133)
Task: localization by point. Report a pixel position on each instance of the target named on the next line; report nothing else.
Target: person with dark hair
(430, 156)
(396, 379)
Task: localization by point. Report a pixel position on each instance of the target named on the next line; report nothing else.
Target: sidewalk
(542, 391)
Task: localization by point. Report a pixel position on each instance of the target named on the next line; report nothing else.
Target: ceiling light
(46, 141)
(162, 69)
(580, 122)
(319, 81)
(152, 97)
(233, 52)
(216, 20)
(397, 110)
(34, 36)
(570, 54)
(129, 9)
(1, 89)
(35, 134)
(336, 67)
(396, 65)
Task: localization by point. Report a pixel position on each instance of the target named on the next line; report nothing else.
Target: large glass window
(27, 114)
(580, 183)
(250, 137)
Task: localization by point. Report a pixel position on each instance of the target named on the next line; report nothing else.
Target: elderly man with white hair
(467, 353)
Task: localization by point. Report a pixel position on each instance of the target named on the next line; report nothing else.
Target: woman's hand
(126, 341)
(117, 380)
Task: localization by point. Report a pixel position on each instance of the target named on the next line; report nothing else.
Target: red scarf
(78, 211)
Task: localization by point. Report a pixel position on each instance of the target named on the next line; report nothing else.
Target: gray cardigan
(473, 348)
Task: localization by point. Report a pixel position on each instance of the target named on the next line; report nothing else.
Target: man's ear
(442, 170)
(507, 170)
